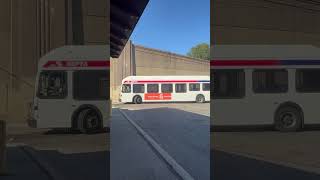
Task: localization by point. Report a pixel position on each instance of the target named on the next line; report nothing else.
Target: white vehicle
(139, 89)
(275, 85)
(72, 89)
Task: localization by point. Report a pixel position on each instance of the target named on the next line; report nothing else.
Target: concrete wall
(259, 21)
(142, 61)
(121, 67)
(31, 28)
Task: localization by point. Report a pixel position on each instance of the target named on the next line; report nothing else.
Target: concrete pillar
(3, 169)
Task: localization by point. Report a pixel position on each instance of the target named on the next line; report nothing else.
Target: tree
(200, 51)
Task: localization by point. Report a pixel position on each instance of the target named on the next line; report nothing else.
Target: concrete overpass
(265, 22)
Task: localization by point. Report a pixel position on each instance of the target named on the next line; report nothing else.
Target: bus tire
(137, 100)
(89, 121)
(288, 119)
(200, 98)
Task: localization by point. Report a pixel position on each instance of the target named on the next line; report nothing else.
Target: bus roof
(264, 55)
(75, 57)
(167, 78)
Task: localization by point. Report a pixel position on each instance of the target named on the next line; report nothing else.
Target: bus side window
(206, 87)
(152, 88)
(194, 87)
(91, 85)
(270, 81)
(52, 84)
(126, 88)
(166, 88)
(181, 88)
(138, 88)
(228, 83)
(104, 89)
(306, 81)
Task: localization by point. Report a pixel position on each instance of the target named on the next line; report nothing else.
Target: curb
(42, 164)
(165, 155)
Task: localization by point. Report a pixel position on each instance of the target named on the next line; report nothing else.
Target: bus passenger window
(104, 89)
(194, 87)
(181, 88)
(126, 88)
(153, 88)
(307, 81)
(138, 88)
(270, 81)
(52, 84)
(91, 85)
(166, 88)
(228, 83)
(206, 87)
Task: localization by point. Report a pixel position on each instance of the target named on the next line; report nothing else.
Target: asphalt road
(69, 155)
(181, 133)
(182, 130)
(227, 166)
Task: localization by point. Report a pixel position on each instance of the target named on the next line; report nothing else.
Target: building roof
(124, 15)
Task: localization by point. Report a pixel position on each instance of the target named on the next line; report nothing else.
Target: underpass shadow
(80, 166)
(64, 131)
(269, 128)
(240, 128)
(29, 163)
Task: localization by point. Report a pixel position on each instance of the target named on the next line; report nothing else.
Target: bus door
(54, 107)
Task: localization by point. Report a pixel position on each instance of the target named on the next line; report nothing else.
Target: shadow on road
(228, 166)
(45, 164)
(73, 131)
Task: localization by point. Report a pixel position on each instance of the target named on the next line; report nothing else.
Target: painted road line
(165, 155)
(281, 163)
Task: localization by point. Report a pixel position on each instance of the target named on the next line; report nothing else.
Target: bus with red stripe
(72, 89)
(139, 89)
(265, 85)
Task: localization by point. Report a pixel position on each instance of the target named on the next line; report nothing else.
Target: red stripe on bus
(95, 63)
(264, 62)
(162, 81)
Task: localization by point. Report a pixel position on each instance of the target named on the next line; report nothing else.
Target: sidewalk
(22, 166)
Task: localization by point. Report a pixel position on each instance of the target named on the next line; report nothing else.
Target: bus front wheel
(288, 119)
(200, 98)
(89, 121)
(137, 100)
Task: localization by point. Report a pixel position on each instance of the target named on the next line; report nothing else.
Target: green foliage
(200, 51)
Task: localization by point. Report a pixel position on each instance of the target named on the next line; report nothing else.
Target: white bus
(274, 85)
(72, 89)
(139, 89)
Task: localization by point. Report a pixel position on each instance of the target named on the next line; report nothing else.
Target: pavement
(21, 165)
(228, 166)
(183, 135)
(180, 130)
(56, 154)
(131, 156)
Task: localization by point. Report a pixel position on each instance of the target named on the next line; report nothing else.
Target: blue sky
(173, 25)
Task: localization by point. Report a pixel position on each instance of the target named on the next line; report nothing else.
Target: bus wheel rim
(288, 119)
(92, 121)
